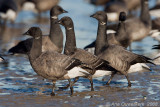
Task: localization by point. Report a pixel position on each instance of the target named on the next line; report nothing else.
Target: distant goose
(101, 67)
(113, 8)
(1, 59)
(53, 42)
(8, 10)
(138, 28)
(155, 11)
(119, 38)
(52, 65)
(119, 58)
(38, 5)
(132, 4)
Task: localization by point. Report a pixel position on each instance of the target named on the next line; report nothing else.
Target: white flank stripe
(11, 15)
(101, 73)
(76, 72)
(29, 6)
(155, 13)
(113, 16)
(138, 67)
(110, 31)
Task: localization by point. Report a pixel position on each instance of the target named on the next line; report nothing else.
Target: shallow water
(20, 85)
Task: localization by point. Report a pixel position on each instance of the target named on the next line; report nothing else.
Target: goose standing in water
(121, 37)
(38, 5)
(138, 28)
(53, 65)
(154, 11)
(53, 42)
(101, 67)
(8, 11)
(118, 57)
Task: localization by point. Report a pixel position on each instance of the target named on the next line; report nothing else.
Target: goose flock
(109, 57)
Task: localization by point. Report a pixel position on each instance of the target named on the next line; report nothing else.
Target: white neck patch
(69, 28)
(54, 17)
(102, 23)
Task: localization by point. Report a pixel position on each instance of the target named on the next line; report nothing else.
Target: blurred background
(19, 83)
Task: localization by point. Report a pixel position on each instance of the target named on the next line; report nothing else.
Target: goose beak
(26, 33)
(64, 11)
(93, 15)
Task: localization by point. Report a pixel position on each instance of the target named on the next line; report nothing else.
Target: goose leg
(91, 82)
(71, 87)
(112, 75)
(65, 87)
(129, 82)
(53, 87)
(72, 83)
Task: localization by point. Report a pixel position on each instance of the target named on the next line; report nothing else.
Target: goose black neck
(56, 34)
(70, 45)
(36, 49)
(145, 16)
(121, 30)
(101, 39)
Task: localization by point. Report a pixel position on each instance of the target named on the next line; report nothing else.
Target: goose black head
(66, 22)
(122, 16)
(101, 16)
(57, 10)
(35, 32)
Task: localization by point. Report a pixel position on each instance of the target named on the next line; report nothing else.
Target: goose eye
(60, 9)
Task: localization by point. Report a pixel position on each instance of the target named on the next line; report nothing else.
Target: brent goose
(154, 11)
(119, 38)
(53, 65)
(8, 10)
(38, 5)
(117, 56)
(53, 42)
(121, 34)
(114, 7)
(138, 28)
(99, 66)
